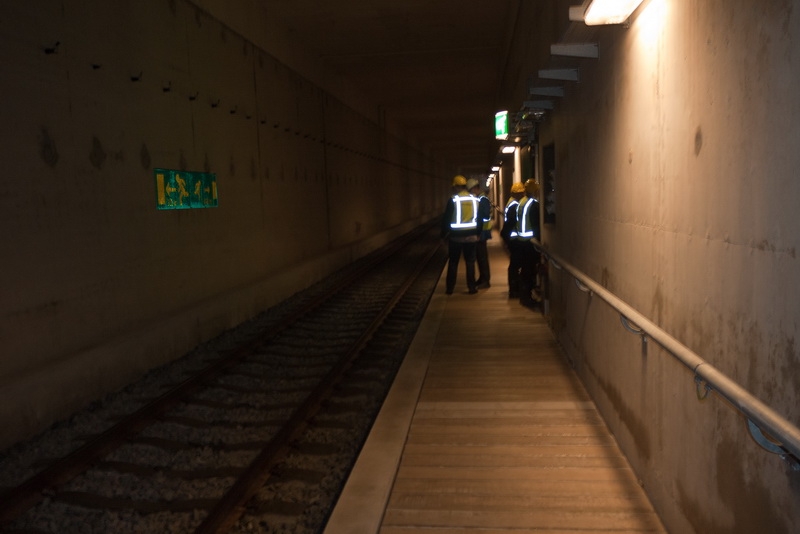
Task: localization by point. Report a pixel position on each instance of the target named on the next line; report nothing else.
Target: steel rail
(784, 436)
(17, 500)
(231, 506)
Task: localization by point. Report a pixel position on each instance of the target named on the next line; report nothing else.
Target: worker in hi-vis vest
(528, 228)
(477, 190)
(461, 229)
(509, 235)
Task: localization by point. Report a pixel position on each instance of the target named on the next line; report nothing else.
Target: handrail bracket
(633, 328)
(580, 285)
(703, 388)
(770, 446)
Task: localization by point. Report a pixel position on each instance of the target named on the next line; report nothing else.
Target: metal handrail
(784, 437)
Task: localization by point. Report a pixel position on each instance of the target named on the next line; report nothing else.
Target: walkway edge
(361, 505)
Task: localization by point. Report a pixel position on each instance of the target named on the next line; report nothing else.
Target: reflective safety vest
(465, 214)
(524, 228)
(487, 223)
(512, 202)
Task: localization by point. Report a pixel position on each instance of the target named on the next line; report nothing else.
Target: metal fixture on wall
(599, 12)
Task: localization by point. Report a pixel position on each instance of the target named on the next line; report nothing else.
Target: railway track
(262, 433)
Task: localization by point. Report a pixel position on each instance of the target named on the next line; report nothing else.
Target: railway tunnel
(172, 167)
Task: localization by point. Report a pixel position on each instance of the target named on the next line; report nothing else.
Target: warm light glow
(508, 149)
(651, 23)
(609, 11)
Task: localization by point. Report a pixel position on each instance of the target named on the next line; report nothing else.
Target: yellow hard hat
(517, 187)
(459, 180)
(531, 187)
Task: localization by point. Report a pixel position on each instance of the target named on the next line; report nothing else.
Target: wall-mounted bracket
(588, 50)
(633, 328)
(555, 91)
(570, 75)
(582, 287)
(770, 446)
(702, 387)
(538, 104)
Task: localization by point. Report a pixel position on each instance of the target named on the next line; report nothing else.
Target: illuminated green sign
(179, 190)
(501, 125)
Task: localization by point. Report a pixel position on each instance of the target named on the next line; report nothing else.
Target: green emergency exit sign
(179, 190)
(501, 125)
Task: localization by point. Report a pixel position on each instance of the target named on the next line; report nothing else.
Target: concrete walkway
(487, 430)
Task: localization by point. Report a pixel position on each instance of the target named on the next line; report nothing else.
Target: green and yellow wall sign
(180, 190)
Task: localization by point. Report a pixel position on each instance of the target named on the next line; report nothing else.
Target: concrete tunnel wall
(677, 189)
(98, 286)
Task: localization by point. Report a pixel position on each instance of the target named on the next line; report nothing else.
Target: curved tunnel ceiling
(434, 66)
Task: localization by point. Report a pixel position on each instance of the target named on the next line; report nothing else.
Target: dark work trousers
(456, 249)
(482, 255)
(514, 267)
(529, 258)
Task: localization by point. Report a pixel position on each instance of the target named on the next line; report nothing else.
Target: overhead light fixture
(508, 149)
(605, 11)
(496, 168)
